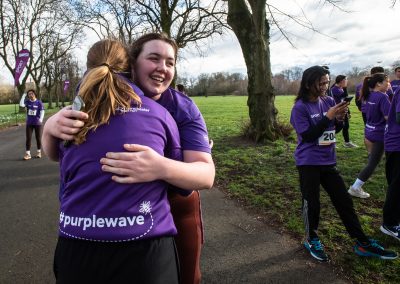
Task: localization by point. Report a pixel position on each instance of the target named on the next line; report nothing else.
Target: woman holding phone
(376, 107)
(316, 118)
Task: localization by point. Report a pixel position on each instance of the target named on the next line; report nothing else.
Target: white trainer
(349, 145)
(358, 192)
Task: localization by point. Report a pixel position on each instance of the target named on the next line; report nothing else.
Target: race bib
(327, 138)
(32, 112)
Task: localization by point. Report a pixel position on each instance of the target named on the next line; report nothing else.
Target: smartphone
(78, 103)
(348, 99)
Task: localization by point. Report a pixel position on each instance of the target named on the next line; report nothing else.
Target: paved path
(238, 248)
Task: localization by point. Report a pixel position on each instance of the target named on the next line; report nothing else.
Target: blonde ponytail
(102, 89)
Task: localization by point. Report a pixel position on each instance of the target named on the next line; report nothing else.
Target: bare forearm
(50, 144)
(189, 175)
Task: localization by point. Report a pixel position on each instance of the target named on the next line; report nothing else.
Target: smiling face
(320, 87)
(31, 96)
(154, 68)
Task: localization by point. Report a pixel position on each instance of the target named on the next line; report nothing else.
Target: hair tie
(105, 64)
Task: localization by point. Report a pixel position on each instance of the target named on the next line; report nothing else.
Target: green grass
(265, 178)
(10, 115)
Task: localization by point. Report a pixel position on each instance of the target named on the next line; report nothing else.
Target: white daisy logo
(145, 207)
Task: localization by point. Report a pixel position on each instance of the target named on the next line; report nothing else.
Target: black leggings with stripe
(311, 177)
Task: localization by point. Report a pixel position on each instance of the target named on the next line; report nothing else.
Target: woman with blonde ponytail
(103, 89)
(111, 232)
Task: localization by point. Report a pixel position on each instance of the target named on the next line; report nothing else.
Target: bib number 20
(327, 138)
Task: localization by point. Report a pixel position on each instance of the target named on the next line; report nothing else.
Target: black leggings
(391, 209)
(373, 160)
(311, 177)
(345, 129)
(38, 136)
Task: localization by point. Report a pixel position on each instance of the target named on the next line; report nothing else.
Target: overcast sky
(368, 34)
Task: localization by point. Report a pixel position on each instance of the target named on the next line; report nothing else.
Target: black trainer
(391, 231)
(316, 249)
(373, 249)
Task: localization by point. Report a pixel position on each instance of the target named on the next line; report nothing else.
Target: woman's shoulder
(181, 106)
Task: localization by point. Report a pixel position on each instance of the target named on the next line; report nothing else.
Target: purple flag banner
(20, 62)
(66, 86)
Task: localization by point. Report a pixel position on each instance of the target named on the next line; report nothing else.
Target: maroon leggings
(187, 218)
(38, 134)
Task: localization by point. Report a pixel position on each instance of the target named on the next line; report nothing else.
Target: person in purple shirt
(339, 92)
(34, 120)
(358, 101)
(361, 105)
(316, 118)
(153, 58)
(377, 104)
(391, 208)
(111, 232)
(396, 82)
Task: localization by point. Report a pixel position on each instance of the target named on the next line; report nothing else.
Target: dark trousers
(38, 136)
(152, 261)
(311, 177)
(364, 117)
(391, 209)
(345, 129)
(373, 160)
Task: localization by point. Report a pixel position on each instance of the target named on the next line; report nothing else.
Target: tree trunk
(252, 31)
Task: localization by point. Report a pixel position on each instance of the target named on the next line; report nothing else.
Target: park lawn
(10, 115)
(264, 179)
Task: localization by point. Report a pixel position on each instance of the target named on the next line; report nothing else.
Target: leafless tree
(38, 25)
(108, 19)
(252, 22)
(186, 21)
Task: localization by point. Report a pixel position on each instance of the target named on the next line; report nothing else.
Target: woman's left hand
(140, 164)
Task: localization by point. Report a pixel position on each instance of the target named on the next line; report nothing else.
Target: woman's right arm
(315, 131)
(61, 126)
(22, 101)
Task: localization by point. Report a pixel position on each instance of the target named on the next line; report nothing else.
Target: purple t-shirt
(192, 128)
(376, 108)
(33, 110)
(395, 85)
(392, 131)
(305, 115)
(95, 208)
(337, 93)
(359, 103)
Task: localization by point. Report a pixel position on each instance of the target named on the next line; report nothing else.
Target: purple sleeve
(299, 119)
(337, 94)
(173, 148)
(397, 106)
(193, 131)
(385, 105)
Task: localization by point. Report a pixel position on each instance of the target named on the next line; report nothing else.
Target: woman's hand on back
(65, 123)
(139, 164)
